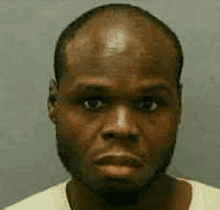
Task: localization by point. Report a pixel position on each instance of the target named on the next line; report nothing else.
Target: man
(116, 105)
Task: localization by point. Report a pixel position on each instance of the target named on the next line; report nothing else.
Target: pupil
(149, 104)
(93, 103)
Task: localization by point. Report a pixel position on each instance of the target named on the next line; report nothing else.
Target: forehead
(120, 50)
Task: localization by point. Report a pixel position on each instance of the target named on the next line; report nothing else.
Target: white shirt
(204, 197)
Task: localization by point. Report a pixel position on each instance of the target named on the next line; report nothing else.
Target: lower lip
(116, 169)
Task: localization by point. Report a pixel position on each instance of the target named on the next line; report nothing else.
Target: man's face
(118, 95)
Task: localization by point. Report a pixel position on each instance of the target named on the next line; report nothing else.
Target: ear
(179, 98)
(52, 101)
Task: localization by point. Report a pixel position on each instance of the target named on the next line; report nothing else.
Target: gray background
(29, 30)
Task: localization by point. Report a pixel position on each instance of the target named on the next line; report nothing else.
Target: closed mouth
(120, 160)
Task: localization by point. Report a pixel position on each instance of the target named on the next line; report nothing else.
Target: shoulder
(49, 199)
(210, 193)
(204, 196)
(199, 187)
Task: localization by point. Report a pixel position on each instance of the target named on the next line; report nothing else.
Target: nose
(121, 125)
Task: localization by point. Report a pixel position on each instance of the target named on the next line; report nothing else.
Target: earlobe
(51, 102)
(52, 86)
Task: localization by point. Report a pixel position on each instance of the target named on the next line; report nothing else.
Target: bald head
(112, 30)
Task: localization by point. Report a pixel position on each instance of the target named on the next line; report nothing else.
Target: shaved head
(106, 31)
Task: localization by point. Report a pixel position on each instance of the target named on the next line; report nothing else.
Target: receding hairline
(130, 22)
(150, 26)
(71, 31)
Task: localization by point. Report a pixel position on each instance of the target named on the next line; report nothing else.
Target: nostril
(129, 137)
(109, 136)
(132, 137)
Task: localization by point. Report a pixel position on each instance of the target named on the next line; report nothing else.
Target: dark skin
(133, 106)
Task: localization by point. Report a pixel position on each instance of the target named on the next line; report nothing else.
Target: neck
(158, 194)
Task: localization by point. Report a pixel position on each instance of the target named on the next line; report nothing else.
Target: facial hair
(112, 197)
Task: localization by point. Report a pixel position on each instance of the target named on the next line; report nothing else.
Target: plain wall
(28, 33)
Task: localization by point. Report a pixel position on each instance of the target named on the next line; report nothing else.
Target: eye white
(152, 107)
(97, 103)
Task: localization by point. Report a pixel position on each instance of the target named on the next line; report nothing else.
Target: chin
(101, 182)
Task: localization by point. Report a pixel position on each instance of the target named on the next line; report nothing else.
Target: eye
(149, 104)
(94, 104)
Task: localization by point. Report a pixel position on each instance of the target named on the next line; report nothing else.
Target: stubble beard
(69, 159)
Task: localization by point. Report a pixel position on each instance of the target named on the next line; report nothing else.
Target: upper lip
(123, 159)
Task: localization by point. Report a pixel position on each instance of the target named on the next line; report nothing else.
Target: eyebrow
(98, 89)
(156, 87)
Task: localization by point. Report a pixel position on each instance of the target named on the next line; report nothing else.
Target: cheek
(166, 124)
(70, 115)
(161, 131)
(160, 137)
(71, 125)
(79, 130)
